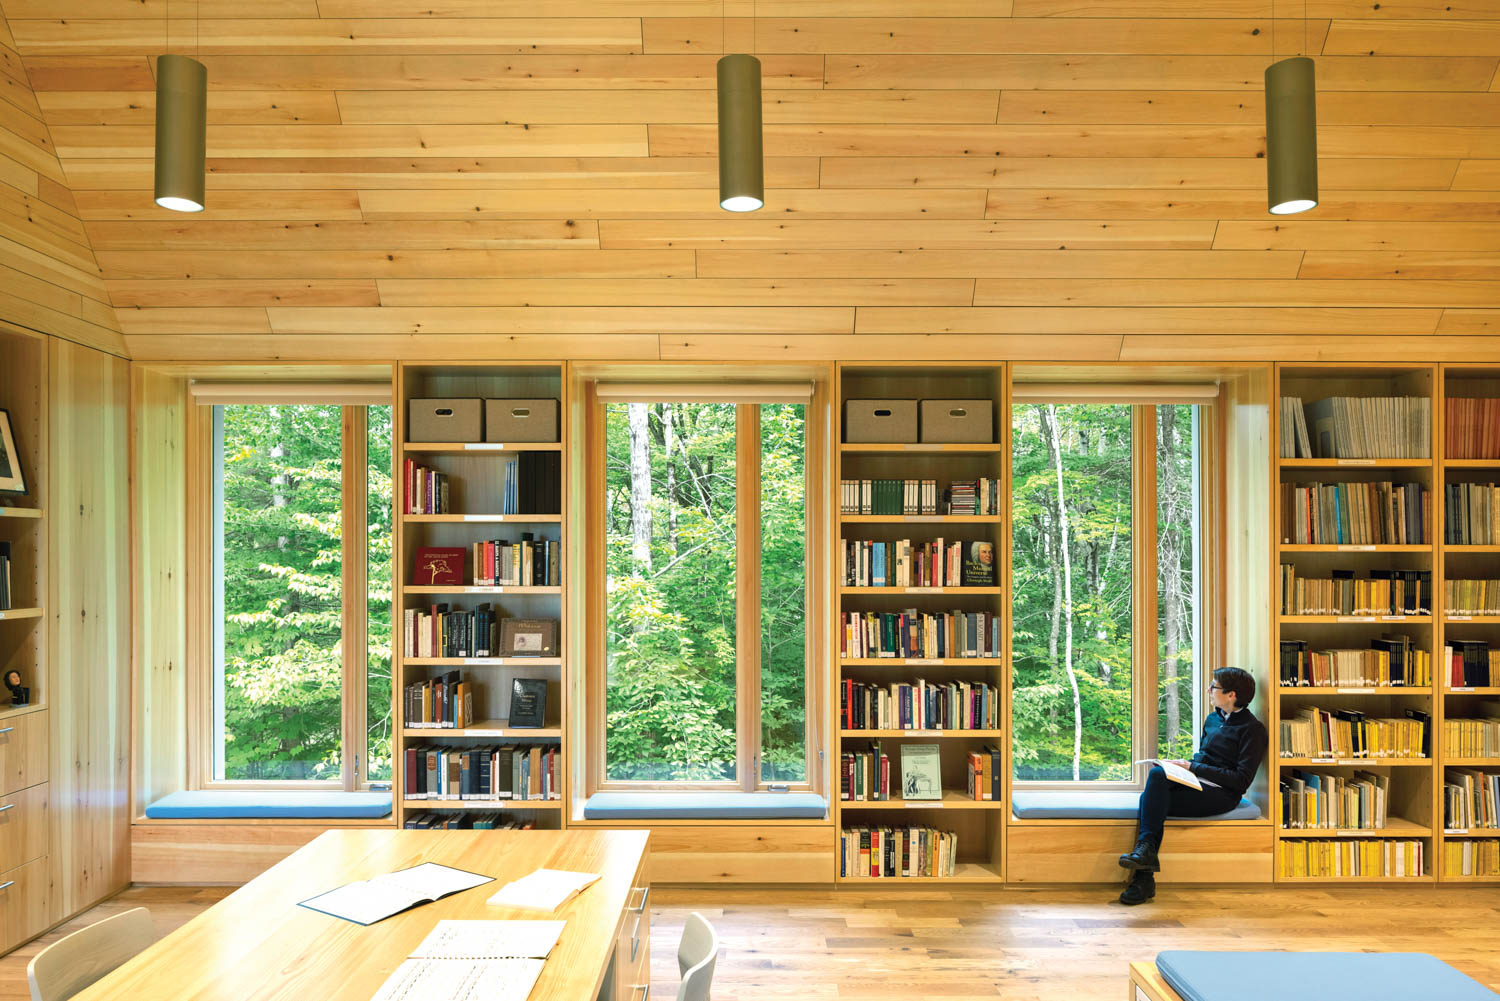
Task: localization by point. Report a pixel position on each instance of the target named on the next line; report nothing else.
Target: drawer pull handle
(7, 884)
(645, 990)
(7, 729)
(645, 893)
(7, 806)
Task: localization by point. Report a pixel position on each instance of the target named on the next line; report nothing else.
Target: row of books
(441, 631)
(1393, 660)
(1471, 664)
(986, 776)
(5, 585)
(1472, 428)
(527, 562)
(971, 497)
(1316, 801)
(445, 702)
(487, 820)
(1474, 738)
(1471, 857)
(1471, 800)
(533, 484)
(888, 497)
(1354, 514)
(424, 490)
(526, 772)
(956, 634)
(1319, 858)
(1385, 592)
(865, 776)
(1471, 597)
(927, 564)
(918, 705)
(897, 852)
(1357, 427)
(1471, 514)
(1349, 733)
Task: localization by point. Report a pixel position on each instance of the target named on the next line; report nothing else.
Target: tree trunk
(1169, 555)
(1054, 445)
(640, 483)
(669, 440)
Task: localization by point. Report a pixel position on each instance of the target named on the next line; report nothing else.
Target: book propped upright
(543, 890)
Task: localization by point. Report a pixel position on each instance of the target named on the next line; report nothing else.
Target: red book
(438, 566)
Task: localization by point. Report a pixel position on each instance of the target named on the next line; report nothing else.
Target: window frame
(747, 398)
(204, 612)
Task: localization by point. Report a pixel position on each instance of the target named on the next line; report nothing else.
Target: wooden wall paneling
(88, 619)
(672, 292)
(982, 264)
(1396, 173)
(292, 265)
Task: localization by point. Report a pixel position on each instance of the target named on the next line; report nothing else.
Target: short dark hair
(1238, 681)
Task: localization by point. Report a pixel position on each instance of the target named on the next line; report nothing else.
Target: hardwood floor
(1023, 944)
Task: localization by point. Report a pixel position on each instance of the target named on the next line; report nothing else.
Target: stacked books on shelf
(442, 703)
(1472, 429)
(1354, 514)
(1314, 801)
(1471, 514)
(1357, 427)
(1478, 737)
(1471, 664)
(508, 772)
(5, 587)
(424, 490)
(1470, 800)
(888, 497)
(527, 562)
(865, 776)
(1385, 592)
(896, 852)
(971, 497)
(1317, 858)
(439, 631)
(1393, 660)
(926, 564)
(465, 821)
(986, 780)
(1471, 857)
(918, 705)
(1348, 734)
(1471, 597)
(533, 483)
(927, 635)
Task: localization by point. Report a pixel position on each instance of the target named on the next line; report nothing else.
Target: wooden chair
(696, 955)
(70, 964)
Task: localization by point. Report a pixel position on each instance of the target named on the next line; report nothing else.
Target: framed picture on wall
(12, 480)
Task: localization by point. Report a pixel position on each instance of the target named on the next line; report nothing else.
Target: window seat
(1053, 804)
(705, 806)
(1302, 976)
(223, 804)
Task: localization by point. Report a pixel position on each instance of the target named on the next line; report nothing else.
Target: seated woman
(1229, 753)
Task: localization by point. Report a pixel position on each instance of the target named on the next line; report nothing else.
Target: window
(705, 649)
(1106, 606)
(300, 624)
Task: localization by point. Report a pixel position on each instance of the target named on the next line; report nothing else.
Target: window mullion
(1147, 645)
(354, 603)
(747, 604)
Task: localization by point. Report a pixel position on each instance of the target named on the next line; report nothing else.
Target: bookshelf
(476, 478)
(23, 520)
(978, 825)
(1413, 789)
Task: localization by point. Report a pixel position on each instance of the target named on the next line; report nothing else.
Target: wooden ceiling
(409, 177)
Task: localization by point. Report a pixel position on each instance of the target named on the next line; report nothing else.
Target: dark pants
(1163, 797)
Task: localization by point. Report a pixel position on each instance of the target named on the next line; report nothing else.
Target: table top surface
(257, 944)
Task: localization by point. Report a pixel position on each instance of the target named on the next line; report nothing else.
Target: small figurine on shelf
(19, 696)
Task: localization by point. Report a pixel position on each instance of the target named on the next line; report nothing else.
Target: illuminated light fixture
(1291, 136)
(181, 132)
(742, 183)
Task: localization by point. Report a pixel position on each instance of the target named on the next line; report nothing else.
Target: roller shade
(704, 392)
(343, 394)
(1116, 392)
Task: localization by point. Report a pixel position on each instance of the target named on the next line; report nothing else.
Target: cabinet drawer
(23, 825)
(23, 903)
(633, 949)
(23, 751)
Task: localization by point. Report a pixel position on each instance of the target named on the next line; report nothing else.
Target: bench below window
(1051, 804)
(290, 804)
(705, 806)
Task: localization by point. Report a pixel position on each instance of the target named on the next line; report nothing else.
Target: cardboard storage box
(949, 421)
(520, 420)
(880, 420)
(444, 420)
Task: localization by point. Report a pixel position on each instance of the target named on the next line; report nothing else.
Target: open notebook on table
(372, 900)
(474, 961)
(543, 890)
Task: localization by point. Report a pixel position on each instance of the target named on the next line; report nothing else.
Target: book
(979, 564)
(921, 775)
(1176, 773)
(528, 638)
(438, 566)
(368, 901)
(528, 702)
(542, 890)
(474, 961)
(5, 585)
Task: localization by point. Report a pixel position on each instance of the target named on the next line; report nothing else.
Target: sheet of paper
(543, 890)
(1175, 772)
(461, 980)
(375, 899)
(489, 940)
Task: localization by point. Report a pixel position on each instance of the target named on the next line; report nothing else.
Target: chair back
(696, 955)
(70, 964)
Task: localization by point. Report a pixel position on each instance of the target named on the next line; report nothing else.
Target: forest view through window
(1082, 588)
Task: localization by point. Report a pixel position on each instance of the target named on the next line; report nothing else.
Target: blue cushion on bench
(705, 806)
(1316, 976)
(1051, 804)
(225, 804)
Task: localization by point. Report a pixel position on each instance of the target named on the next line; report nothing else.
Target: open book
(1177, 773)
(543, 890)
(474, 961)
(372, 900)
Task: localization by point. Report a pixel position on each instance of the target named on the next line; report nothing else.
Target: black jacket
(1230, 750)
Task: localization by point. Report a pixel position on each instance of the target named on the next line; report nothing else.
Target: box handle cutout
(882, 413)
(520, 412)
(443, 412)
(958, 412)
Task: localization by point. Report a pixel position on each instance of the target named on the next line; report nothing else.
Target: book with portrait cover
(979, 564)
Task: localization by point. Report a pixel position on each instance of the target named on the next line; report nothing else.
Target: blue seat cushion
(226, 804)
(1316, 976)
(705, 806)
(1051, 804)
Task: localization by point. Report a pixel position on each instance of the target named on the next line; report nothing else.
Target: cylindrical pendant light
(181, 132)
(742, 185)
(1291, 136)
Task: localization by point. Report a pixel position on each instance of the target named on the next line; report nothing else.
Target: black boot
(1143, 857)
(1141, 889)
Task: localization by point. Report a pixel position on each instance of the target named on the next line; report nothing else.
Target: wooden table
(257, 944)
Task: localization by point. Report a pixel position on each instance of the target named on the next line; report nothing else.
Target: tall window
(1105, 599)
(705, 595)
(301, 592)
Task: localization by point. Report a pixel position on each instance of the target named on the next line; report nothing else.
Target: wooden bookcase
(23, 521)
(1412, 797)
(476, 472)
(979, 826)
